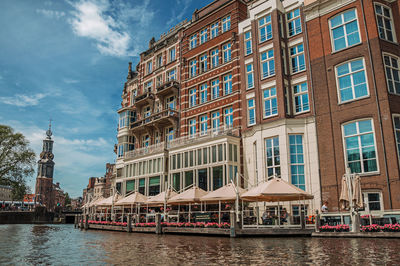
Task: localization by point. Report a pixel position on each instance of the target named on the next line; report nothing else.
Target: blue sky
(68, 60)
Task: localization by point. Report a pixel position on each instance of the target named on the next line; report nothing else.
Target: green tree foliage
(67, 199)
(17, 160)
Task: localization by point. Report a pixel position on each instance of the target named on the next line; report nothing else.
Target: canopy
(161, 198)
(95, 202)
(107, 201)
(275, 190)
(344, 194)
(189, 196)
(225, 193)
(357, 195)
(133, 198)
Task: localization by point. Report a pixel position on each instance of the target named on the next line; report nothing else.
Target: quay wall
(25, 217)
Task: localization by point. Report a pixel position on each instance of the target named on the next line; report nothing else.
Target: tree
(17, 160)
(67, 199)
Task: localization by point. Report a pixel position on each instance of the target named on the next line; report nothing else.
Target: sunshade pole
(190, 211)
(179, 208)
(219, 212)
(279, 216)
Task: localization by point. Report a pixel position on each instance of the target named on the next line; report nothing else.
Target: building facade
(354, 57)
(5, 193)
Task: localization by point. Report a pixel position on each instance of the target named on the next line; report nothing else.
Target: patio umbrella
(275, 190)
(161, 198)
(344, 195)
(189, 196)
(108, 201)
(95, 201)
(133, 198)
(224, 194)
(357, 195)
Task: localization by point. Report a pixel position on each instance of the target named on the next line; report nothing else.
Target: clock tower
(44, 180)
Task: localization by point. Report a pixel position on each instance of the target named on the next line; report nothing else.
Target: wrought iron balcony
(171, 86)
(156, 148)
(144, 98)
(161, 119)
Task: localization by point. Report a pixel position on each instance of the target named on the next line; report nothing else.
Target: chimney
(130, 74)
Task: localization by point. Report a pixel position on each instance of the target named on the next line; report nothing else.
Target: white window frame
(214, 30)
(171, 74)
(263, 24)
(267, 60)
(228, 112)
(273, 156)
(299, 94)
(251, 108)
(383, 16)
(203, 93)
(296, 57)
(397, 137)
(203, 35)
(214, 58)
(193, 68)
(270, 99)
(203, 125)
(227, 84)
(193, 41)
(344, 29)
(215, 89)
(192, 97)
(352, 81)
(227, 52)
(148, 86)
(360, 150)
(192, 128)
(293, 19)
(203, 63)
(149, 66)
(249, 74)
(159, 60)
(215, 121)
(172, 54)
(169, 134)
(248, 48)
(226, 24)
(392, 69)
(366, 201)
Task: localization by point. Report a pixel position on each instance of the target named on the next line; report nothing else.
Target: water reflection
(64, 245)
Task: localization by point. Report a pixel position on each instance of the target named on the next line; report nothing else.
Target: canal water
(64, 245)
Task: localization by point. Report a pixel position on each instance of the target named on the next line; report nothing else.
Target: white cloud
(176, 18)
(51, 13)
(111, 25)
(22, 100)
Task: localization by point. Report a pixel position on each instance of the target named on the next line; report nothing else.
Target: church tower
(44, 180)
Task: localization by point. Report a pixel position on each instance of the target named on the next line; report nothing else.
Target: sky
(67, 61)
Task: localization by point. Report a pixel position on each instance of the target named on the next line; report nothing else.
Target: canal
(64, 245)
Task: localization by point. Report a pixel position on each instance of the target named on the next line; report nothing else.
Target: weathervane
(48, 132)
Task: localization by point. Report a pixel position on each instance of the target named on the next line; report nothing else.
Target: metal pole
(279, 216)
(219, 211)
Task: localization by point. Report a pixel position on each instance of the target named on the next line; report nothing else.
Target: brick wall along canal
(63, 245)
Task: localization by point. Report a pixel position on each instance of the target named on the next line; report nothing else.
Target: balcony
(205, 136)
(168, 88)
(156, 148)
(167, 117)
(144, 99)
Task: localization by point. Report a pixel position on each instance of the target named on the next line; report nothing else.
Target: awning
(161, 198)
(108, 201)
(191, 195)
(225, 194)
(95, 202)
(275, 190)
(132, 199)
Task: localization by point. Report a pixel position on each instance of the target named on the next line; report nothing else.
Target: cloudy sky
(67, 60)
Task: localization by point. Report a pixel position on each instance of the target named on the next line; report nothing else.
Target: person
(324, 207)
(284, 216)
(267, 218)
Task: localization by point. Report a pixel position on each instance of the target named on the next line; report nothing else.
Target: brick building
(354, 57)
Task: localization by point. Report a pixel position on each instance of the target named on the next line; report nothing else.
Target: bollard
(129, 223)
(86, 222)
(81, 221)
(158, 224)
(356, 223)
(76, 221)
(317, 221)
(302, 220)
(233, 224)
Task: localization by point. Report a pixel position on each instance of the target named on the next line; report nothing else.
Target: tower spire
(48, 132)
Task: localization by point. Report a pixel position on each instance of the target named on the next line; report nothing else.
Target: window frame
(203, 63)
(214, 85)
(270, 98)
(193, 41)
(299, 94)
(203, 93)
(227, 83)
(203, 36)
(251, 122)
(391, 56)
(248, 39)
(265, 25)
(267, 60)
(193, 68)
(203, 125)
(192, 127)
(393, 30)
(397, 139)
(288, 21)
(273, 155)
(249, 73)
(214, 28)
(331, 31)
(192, 97)
(226, 21)
(304, 164)
(230, 114)
(226, 52)
(338, 89)
(296, 57)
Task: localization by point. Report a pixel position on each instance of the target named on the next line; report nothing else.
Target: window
(214, 30)
(171, 54)
(270, 102)
(214, 58)
(294, 22)
(227, 52)
(297, 161)
(159, 81)
(250, 76)
(226, 24)
(203, 93)
(215, 89)
(251, 112)
(385, 22)
(192, 98)
(170, 102)
(396, 122)
(147, 86)
(192, 128)
(228, 119)
(154, 186)
(203, 35)
(203, 124)
(159, 60)
(344, 30)
(217, 177)
(300, 94)
(267, 63)
(176, 181)
(215, 121)
(265, 28)
(227, 84)
(373, 201)
(203, 63)
(171, 75)
(247, 43)
(273, 161)
(146, 141)
(149, 67)
(193, 68)
(297, 58)
(193, 41)
(169, 134)
(351, 80)
(360, 148)
(142, 186)
(392, 73)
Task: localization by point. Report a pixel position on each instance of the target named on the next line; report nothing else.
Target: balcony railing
(143, 96)
(167, 86)
(208, 135)
(167, 113)
(156, 148)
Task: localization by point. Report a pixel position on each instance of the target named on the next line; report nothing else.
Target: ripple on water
(64, 245)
